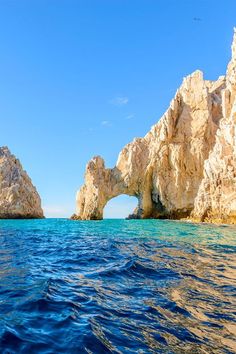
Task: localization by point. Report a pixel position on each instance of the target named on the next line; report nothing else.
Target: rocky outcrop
(168, 170)
(18, 197)
(216, 199)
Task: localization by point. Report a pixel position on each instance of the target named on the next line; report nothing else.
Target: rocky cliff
(18, 196)
(216, 198)
(184, 167)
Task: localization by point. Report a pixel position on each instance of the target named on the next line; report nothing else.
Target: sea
(117, 286)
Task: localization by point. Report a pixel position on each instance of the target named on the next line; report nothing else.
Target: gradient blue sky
(83, 78)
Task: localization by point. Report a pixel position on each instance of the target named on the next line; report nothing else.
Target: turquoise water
(117, 286)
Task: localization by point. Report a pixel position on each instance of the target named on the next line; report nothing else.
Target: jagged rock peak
(4, 151)
(185, 166)
(18, 197)
(234, 45)
(216, 198)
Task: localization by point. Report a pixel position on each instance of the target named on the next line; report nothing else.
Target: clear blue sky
(83, 78)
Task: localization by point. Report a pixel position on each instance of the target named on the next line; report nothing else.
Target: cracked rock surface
(185, 166)
(18, 197)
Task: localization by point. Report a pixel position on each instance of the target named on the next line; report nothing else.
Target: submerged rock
(185, 166)
(18, 197)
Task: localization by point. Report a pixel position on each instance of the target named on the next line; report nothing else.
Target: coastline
(190, 220)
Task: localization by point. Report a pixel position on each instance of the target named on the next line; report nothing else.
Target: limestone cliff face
(168, 170)
(18, 197)
(216, 199)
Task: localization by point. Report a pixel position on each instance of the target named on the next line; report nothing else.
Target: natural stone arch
(165, 168)
(102, 184)
(120, 207)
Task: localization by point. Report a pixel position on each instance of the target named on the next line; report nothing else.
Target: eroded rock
(216, 199)
(18, 197)
(184, 166)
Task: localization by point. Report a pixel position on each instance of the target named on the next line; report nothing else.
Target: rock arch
(120, 207)
(165, 168)
(103, 184)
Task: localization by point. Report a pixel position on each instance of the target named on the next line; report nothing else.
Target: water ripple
(117, 286)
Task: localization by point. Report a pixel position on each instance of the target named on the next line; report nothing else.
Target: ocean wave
(115, 287)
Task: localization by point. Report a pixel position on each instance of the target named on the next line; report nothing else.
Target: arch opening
(120, 207)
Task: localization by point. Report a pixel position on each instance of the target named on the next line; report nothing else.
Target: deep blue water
(117, 286)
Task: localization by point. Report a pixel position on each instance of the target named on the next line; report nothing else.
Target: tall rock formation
(18, 197)
(216, 199)
(172, 170)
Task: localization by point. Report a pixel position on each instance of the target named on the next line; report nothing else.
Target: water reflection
(117, 286)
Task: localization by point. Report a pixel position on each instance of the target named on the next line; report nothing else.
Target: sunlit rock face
(175, 169)
(18, 196)
(216, 199)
